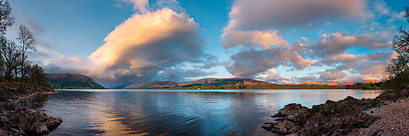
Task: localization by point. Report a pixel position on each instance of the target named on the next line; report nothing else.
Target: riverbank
(15, 119)
(345, 117)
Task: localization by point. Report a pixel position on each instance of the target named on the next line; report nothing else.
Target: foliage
(14, 65)
(364, 86)
(396, 74)
(72, 81)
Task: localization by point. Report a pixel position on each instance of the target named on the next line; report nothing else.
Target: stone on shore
(21, 120)
(348, 116)
(16, 119)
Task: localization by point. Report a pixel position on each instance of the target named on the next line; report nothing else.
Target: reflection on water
(175, 112)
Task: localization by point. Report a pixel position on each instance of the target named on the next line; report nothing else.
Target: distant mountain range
(339, 83)
(78, 81)
(206, 81)
(72, 81)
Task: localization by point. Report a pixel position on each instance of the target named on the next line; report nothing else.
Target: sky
(117, 42)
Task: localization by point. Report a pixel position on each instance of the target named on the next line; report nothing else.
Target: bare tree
(11, 55)
(27, 41)
(6, 20)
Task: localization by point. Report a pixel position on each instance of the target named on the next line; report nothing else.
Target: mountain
(150, 85)
(201, 81)
(206, 81)
(369, 82)
(224, 82)
(311, 83)
(333, 83)
(72, 81)
(349, 83)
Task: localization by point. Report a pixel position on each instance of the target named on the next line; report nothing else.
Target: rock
(54, 122)
(30, 110)
(20, 120)
(4, 119)
(293, 112)
(42, 129)
(267, 126)
(294, 129)
(284, 126)
(5, 132)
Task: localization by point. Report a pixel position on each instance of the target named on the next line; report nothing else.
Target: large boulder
(20, 120)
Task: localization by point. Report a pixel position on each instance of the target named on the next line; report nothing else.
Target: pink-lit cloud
(275, 14)
(148, 43)
(264, 39)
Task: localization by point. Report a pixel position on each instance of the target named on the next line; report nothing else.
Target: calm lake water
(176, 112)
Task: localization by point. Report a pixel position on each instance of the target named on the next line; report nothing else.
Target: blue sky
(121, 41)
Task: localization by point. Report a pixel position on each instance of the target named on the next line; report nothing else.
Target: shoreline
(349, 116)
(16, 119)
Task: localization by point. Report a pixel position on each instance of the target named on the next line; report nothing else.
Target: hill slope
(150, 85)
(72, 81)
(206, 81)
(224, 82)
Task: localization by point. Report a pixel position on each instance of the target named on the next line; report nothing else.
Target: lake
(176, 112)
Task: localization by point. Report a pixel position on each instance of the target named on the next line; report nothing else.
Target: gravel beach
(393, 120)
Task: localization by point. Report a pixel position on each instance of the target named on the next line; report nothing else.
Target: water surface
(176, 112)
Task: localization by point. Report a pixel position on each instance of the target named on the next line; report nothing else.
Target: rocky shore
(16, 119)
(350, 116)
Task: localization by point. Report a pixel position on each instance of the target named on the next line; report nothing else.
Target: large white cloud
(282, 14)
(148, 43)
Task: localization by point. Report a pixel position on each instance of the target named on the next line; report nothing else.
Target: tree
(27, 40)
(38, 77)
(397, 72)
(11, 55)
(6, 20)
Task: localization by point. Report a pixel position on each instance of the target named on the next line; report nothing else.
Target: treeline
(14, 65)
(397, 72)
(365, 86)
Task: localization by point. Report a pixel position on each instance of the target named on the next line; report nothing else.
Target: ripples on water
(175, 112)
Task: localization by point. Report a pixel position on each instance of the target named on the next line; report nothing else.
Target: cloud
(250, 62)
(45, 50)
(333, 75)
(146, 44)
(263, 39)
(65, 64)
(364, 64)
(372, 68)
(272, 76)
(338, 43)
(140, 5)
(371, 78)
(272, 14)
(180, 74)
